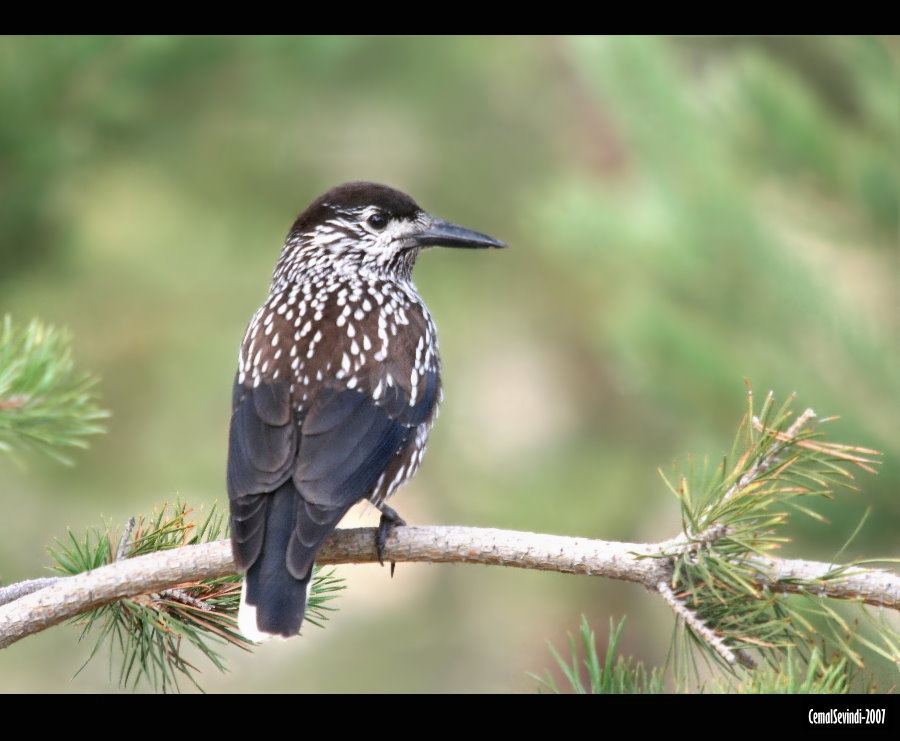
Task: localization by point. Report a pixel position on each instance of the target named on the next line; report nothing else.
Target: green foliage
(737, 514)
(149, 633)
(613, 675)
(149, 637)
(588, 673)
(798, 676)
(325, 588)
(44, 403)
(733, 517)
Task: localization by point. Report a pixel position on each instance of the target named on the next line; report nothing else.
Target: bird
(337, 387)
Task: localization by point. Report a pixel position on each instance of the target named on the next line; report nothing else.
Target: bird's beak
(442, 233)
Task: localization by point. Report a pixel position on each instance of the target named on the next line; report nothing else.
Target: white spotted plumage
(337, 388)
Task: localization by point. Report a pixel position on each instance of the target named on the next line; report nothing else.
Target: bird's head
(368, 228)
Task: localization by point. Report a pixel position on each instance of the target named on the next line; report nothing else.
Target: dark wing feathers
(313, 523)
(248, 520)
(346, 443)
(343, 463)
(331, 409)
(262, 442)
(395, 401)
(273, 402)
(339, 423)
(279, 595)
(335, 456)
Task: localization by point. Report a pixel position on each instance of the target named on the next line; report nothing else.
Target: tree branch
(68, 597)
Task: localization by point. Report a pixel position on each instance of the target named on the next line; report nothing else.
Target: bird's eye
(378, 221)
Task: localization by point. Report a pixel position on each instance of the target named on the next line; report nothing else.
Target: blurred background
(682, 214)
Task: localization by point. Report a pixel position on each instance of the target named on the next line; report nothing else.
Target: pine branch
(44, 404)
(719, 575)
(634, 562)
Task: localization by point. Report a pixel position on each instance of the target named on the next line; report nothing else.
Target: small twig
(761, 466)
(702, 630)
(20, 589)
(125, 541)
(179, 595)
(792, 432)
(854, 454)
(682, 544)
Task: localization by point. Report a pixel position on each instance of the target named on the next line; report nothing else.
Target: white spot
(414, 387)
(247, 621)
(419, 347)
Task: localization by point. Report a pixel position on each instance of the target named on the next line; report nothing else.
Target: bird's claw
(389, 520)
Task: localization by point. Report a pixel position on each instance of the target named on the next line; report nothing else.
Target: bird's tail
(276, 586)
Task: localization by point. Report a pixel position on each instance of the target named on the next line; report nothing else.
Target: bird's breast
(373, 336)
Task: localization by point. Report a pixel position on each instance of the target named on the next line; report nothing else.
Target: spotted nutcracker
(338, 385)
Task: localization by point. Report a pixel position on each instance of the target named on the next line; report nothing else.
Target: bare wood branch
(20, 589)
(68, 597)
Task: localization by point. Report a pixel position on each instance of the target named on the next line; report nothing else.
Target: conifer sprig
(149, 635)
(734, 517)
(44, 403)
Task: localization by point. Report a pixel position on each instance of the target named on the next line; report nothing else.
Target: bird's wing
(335, 455)
(347, 441)
(262, 448)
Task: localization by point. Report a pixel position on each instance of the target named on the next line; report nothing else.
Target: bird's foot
(389, 520)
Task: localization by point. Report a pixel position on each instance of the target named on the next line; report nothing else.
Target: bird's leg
(389, 520)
